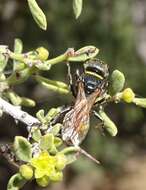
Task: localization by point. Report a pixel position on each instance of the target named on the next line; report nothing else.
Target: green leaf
(16, 182)
(70, 153)
(47, 142)
(57, 141)
(18, 48)
(108, 124)
(37, 14)
(17, 100)
(27, 102)
(3, 62)
(84, 54)
(36, 135)
(55, 129)
(3, 84)
(52, 113)
(117, 81)
(57, 86)
(70, 158)
(40, 115)
(22, 148)
(53, 150)
(19, 77)
(140, 102)
(77, 7)
(13, 97)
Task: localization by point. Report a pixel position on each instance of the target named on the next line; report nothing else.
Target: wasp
(89, 88)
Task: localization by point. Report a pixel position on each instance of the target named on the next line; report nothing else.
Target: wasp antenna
(82, 151)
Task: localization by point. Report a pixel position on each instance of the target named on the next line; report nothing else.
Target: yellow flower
(48, 168)
(44, 165)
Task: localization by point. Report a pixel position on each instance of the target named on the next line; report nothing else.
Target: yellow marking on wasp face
(94, 74)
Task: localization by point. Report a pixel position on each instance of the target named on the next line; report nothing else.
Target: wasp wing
(76, 121)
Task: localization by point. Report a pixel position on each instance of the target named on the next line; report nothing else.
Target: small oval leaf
(70, 153)
(18, 48)
(108, 124)
(55, 129)
(140, 102)
(22, 148)
(117, 81)
(37, 14)
(57, 141)
(16, 182)
(77, 7)
(3, 62)
(47, 142)
(19, 77)
(36, 134)
(57, 86)
(27, 102)
(84, 54)
(40, 115)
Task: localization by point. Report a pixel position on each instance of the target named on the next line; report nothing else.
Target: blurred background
(118, 29)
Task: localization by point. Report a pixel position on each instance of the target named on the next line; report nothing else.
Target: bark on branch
(17, 113)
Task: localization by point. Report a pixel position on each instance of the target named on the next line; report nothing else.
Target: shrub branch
(17, 113)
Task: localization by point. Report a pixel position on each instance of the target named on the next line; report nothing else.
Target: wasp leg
(70, 79)
(69, 73)
(72, 86)
(60, 116)
(97, 115)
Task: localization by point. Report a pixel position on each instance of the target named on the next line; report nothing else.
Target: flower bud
(26, 171)
(128, 95)
(42, 53)
(58, 176)
(60, 161)
(43, 181)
